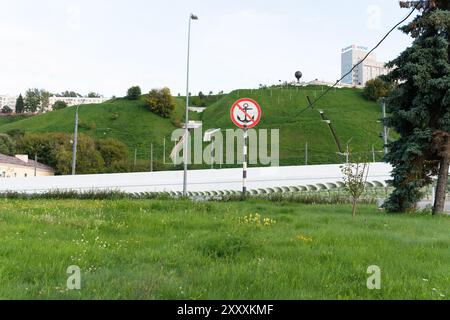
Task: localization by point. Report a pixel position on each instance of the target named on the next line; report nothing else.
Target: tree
(32, 100)
(113, 151)
(134, 93)
(59, 105)
(45, 101)
(7, 110)
(7, 145)
(376, 89)
(420, 109)
(69, 94)
(355, 180)
(161, 102)
(55, 150)
(20, 105)
(93, 95)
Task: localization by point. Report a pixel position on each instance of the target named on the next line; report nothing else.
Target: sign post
(246, 114)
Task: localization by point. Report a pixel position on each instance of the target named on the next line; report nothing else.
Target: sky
(106, 46)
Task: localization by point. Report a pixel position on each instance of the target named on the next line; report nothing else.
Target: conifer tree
(419, 108)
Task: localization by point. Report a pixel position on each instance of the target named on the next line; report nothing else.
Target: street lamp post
(75, 143)
(186, 135)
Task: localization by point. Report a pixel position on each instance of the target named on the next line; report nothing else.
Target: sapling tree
(355, 181)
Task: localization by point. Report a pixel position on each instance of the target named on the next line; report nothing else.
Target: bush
(59, 105)
(113, 152)
(55, 150)
(134, 93)
(161, 102)
(15, 133)
(7, 145)
(6, 110)
(376, 89)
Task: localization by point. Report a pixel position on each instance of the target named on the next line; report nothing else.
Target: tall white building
(368, 70)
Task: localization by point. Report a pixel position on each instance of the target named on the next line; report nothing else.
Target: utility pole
(75, 143)
(151, 157)
(164, 151)
(35, 165)
(306, 154)
(373, 154)
(385, 128)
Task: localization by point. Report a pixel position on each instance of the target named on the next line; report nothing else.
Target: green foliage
(161, 102)
(32, 100)
(420, 108)
(112, 151)
(45, 100)
(7, 145)
(15, 133)
(134, 93)
(55, 150)
(6, 110)
(376, 89)
(355, 179)
(59, 105)
(93, 95)
(69, 94)
(20, 105)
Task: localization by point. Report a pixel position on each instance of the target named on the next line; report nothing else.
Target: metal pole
(35, 165)
(347, 155)
(385, 128)
(244, 180)
(164, 151)
(75, 143)
(306, 154)
(212, 155)
(373, 154)
(135, 159)
(186, 140)
(151, 157)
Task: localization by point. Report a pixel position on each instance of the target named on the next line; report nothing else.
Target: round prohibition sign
(246, 113)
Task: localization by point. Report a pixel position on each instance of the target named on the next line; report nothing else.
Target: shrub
(134, 93)
(6, 110)
(376, 89)
(7, 145)
(59, 105)
(161, 102)
(113, 152)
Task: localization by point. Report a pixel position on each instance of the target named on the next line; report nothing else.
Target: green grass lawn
(155, 249)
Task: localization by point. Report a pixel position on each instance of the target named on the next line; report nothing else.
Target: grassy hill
(132, 123)
(352, 116)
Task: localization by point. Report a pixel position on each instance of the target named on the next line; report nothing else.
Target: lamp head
(194, 17)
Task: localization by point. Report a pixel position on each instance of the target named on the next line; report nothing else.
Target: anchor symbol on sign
(246, 119)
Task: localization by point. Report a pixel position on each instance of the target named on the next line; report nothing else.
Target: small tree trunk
(354, 208)
(441, 189)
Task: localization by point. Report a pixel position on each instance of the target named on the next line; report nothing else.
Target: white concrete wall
(199, 180)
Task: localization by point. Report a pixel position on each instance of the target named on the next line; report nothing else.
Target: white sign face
(245, 113)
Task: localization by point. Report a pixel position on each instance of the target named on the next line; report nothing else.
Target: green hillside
(352, 116)
(132, 123)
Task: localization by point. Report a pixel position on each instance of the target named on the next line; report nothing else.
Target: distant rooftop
(355, 47)
(18, 162)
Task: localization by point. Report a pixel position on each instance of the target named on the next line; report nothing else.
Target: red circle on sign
(253, 121)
